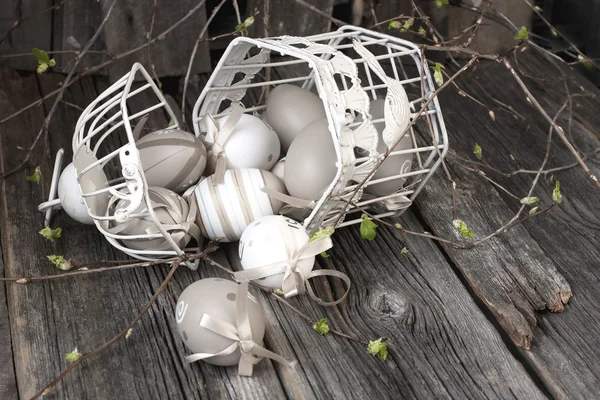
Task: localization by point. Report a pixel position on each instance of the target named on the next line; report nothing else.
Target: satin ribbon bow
(217, 137)
(295, 279)
(251, 352)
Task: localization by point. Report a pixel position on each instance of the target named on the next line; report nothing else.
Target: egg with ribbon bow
(276, 252)
(222, 324)
(226, 209)
(171, 210)
(240, 141)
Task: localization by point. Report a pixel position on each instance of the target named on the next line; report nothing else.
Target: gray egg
(310, 164)
(217, 298)
(172, 159)
(393, 165)
(290, 109)
(170, 209)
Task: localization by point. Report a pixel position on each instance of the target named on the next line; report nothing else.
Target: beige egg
(217, 298)
(290, 109)
(172, 159)
(225, 210)
(171, 210)
(310, 164)
(393, 165)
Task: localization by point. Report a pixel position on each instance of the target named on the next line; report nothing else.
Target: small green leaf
(171, 122)
(523, 34)
(529, 201)
(463, 229)
(556, 195)
(367, 228)
(533, 210)
(243, 27)
(394, 25)
(441, 3)
(422, 31)
(52, 63)
(73, 356)
(438, 77)
(378, 348)
(60, 262)
(278, 292)
(324, 254)
(41, 68)
(586, 63)
(36, 176)
(239, 27)
(128, 334)
(407, 24)
(322, 326)
(404, 250)
(40, 55)
(321, 233)
(477, 151)
(50, 233)
(398, 226)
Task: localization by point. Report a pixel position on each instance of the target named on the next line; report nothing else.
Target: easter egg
(278, 169)
(217, 298)
(172, 211)
(263, 243)
(252, 144)
(393, 165)
(225, 210)
(310, 164)
(172, 159)
(70, 191)
(290, 109)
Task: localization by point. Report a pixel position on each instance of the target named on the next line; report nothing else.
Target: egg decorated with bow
(215, 299)
(251, 144)
(273, 239)
(226, 209)
(393, 164)
(172, 211)
(290, 109)
(310, 164)
(172, 159)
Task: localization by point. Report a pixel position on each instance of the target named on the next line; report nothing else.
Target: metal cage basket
(347, 69)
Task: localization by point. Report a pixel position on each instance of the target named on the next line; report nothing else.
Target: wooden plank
(564, 345)
(290, 18)
(441, 345)
(50, 319)
(34, 31)
(129, 24)
(8, 381)
(73, 25)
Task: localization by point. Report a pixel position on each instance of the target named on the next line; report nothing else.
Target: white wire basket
(347, 69)
(108, 167)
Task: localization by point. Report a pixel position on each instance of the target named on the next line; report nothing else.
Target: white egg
(262, 243)
(225, 210)
(252, 144)
(279, 168)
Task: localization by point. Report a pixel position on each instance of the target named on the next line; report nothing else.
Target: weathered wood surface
(564, 345)
(69, 27)
(289, 18)
(8, 380)
(442, 344)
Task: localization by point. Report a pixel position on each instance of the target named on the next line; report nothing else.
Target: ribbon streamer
(217, 137)
(295, 279)
(292, 201)
(251, 352)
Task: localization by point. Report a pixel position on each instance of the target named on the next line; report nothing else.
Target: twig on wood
(193, 55)
(148, 37)
(323, 14)
(44, 128)
(19, 22)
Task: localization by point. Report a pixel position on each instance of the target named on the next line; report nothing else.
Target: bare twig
(20, 21)
(149, 36)
(321, 13)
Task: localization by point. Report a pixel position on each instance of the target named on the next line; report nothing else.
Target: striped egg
(225, 210)
(172, 159)
(172, 211)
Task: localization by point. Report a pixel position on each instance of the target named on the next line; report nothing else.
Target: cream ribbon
(295, 202)
(295, 280)
(251, 352)
(217, 159)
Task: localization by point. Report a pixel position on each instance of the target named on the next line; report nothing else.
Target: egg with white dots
(172, 159)
(217, 298)
(252, 144)
(264, 243)
(226, 209)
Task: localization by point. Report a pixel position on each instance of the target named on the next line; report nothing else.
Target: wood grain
(8, 380)
(289, 18)
(566, 239)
